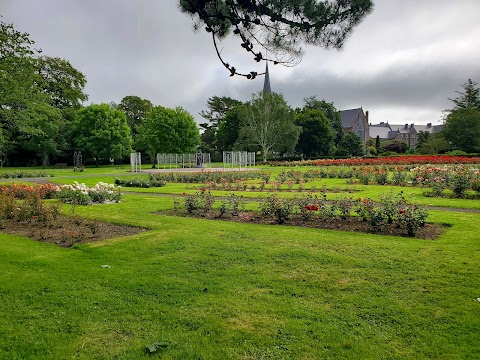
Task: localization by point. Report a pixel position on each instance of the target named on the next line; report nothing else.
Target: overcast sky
(402, 63)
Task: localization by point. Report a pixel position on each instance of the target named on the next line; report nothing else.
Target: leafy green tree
(397, 146)
(136, 109)
(167, 130)
(44, 138)
(229, 130)
(469, 98)
(377, 144)
(278, 27)
(62, 82)
(218, 108)
(268, 122)
(18, 85)
(317, 133)
(422, 138)
(351, 145)
(434, 144)
(101, 132)
(331, 112)
(462, 129)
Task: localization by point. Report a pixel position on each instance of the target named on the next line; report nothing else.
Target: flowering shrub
(457, 178)
(412, 218)
(393, 160)
(23, 174)
(278, 208)
(393, 211)
(21, 191)
(80, 194)
(141, 183)
(32, 208)
(206, 176)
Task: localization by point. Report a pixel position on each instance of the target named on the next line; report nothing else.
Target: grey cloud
(402, 62)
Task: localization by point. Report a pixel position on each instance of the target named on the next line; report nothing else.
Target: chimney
(366, 115)
(411, 125)
(406, 126)
(429, 125)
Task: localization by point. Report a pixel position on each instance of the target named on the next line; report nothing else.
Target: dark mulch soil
(67, 231)
(426, 232)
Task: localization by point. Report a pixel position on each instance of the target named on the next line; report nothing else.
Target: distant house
(407, 133)
(356, 121)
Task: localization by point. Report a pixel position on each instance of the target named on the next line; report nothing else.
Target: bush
(278, 208)
(80, 194)
(412, 217)
(141, 183)
(459, 183)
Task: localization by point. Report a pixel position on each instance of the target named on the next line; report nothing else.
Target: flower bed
(392, 160)
(140, 182)
(394, 215)
(21, 191)
(205, 176)
(80, 194)
(24, 174)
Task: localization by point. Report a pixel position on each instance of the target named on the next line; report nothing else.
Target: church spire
(266, 84)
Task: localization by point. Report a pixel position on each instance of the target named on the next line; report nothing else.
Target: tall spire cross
(266, 85)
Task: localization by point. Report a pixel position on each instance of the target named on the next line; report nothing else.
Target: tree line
(42, 117)
(269, 125)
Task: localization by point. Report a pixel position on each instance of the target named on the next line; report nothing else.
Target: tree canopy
(102, 132)
(167, 130)
(462, 129)
(469, 98)
(317, 133)
(136, 109)
(462, 123)
(268, 122)
(277, 27)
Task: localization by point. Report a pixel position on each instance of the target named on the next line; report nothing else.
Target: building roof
(432, 129)
(349, 117)
(382, 132)
(266, 85)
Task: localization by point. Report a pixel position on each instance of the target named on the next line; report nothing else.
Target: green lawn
(220, 290)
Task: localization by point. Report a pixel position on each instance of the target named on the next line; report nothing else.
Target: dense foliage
(278, 27)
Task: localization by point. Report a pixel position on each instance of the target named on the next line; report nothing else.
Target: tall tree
(44, 137)
(63, 84)
(351, 145)
(102, 132)
(317, 134)
(167, 130)
(469, 98)
(278, 27)
(268, 122)
(18, 84)
(462, 129)
(218, 108)
(136, 109)
(331, 112)
(229, 129)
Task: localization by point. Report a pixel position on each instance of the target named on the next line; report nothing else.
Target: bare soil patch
(67, 231)
(351, 224)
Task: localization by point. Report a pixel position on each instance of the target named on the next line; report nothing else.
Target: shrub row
(393, 210)
(205, 176)
(23, 174)
(140, 182)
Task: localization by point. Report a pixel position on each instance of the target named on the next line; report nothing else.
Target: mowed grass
(220, 290)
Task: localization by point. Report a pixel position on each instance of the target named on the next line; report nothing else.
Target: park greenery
(226, 271)
(44, 120)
